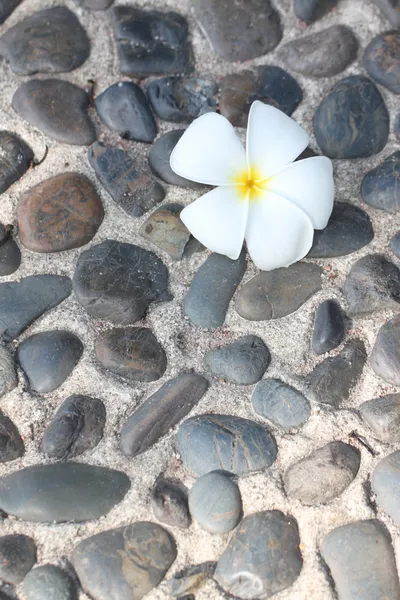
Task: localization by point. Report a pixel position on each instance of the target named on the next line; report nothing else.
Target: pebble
(95, 4)
(383, 416)
(124, 108)
(333, 379)
(322, 54)
(132, 352)
(312, 10)
(118, 281)
(7, 7)
(156, 416)
(278, 293)
(382, 60)
(385, 484)
(380, 187)
(8, 375)
(50, 582)
(352, 121)
(182, 99)
(11, 444)
(349, 229)
(281, 404)
(328, 328)
(391, 10)
(62, 492)
(159, 159)
(361, 561)
(263, 556)
(48, 358)
(77, 426)
(16, 157)
(22, 302)
(61, 213)
(124, 563)
(324, 474)
(243, 361)
(213, 285)
(385, 355)
(10, 254)
(222, 442)
(170, 503)
(17, 557)
(166, 231)
(57, 108)
(372, 284)
(190, 580)
(269, 84)
(215, 502)
(151, 42)
(239, 31)
(395, 244)
(49, 41)
(396, 128)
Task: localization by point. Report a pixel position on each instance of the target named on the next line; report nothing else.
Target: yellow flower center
(250, 184)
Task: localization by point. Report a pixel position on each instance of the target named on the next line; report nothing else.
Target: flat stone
(333, 379)
(385, 483)
(159, 159)
(124, 108)
(151, 42)
(312, 10)
(62, 492)
(166, 231)
(7, 7)
(262, 557)
(48, 358)
(10, 254)
(349, 229)
(352, 121)
(11, 444)
(269, 84)
(281, 404)
(118, 281)
(15, 159)
(8, 375)
(324, 474)
(50, 582)
(17, 557)
(58, 108)
(361, 561)
(382, 60)
(213, 285)
(328, 328)
(385, 355)
(156, 416)
(391, 10)
(61, 213)
(124, 563)
(182, 99)
(222, 442)
(49, 41)
(22, 302)
(239, 31)
(170, 503)
(243, 362)
(321, 54)
(215, 502)
(190, 580)
(95, 4)
(380, 187)
(77, 426)
(383, 416)
(278, 293)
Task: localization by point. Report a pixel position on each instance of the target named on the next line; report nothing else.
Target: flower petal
(209, 152)
(218, 220)
(274, 140)
(308, 184)
(278, 233)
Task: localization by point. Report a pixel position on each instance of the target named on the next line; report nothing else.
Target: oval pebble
(243, 362)
(11, 443)
(385, 484)
(17, 557)
(15, 158)
(328, 328)
(312, 10)
(380, 187)
(383, 416)
(382, 60)
(170, 503)
(10, 254)
(49, 582)
(385, 355)
(182, 99)
(281, 404)
(159, 159)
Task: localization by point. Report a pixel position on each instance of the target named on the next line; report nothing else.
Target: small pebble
(8, 375)
(243, 362)
(395, 244)
(166, 231)
(11, 444)
(170, 504)
(328, 328)
(159, 159)
(385, 355)
(16, 157)
(281, 404)
(390, 9)
(182, 99)
(312, 10)
(382, 60)
(10, 254)
(385, 484)
(17, 557)
(7, 7)
(49, 582)
(190, 580)
(383, 416)
(380, 187)
(95, 4)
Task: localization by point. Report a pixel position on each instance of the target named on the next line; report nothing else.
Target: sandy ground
(288, 339)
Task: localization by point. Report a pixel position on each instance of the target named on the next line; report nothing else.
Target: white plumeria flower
(263, 196)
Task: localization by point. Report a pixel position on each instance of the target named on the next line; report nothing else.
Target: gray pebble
(8, 375)
(311, 10)
(383, 416)
(49, 582)
(395, 244)
(329, 328)
(385, 483)
(281, 404)
(15, 158)
(17, 557)
(10, 254)
(95, 4)
(159, 159)
(385, 355)
(182, 99)
(190, 580)
(382, 60)
(244, 361)
(170, 503)
(380, 187)
(11, 444)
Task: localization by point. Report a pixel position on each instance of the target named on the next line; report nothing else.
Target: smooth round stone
(385, 355)
(77, 426)
(395, 244)
(215, 502)
(124, 108)
(380, 187)
(11, 444)
(10, 254)
(321, 54)
(222, 442)
(243, 362)
(352, 121)
(182, 99)
(57, 108)
(15, 159)
(385, 483)
(49, 41)
(166, 231)
(49, 582)
(190, 580)
(95, 4)
(390, 9)
(17, 557)
(170, 504)
(132, 352)
(382, 60)
(383, 416)
(159, 159)
(48, 358)
(281, 404)
(8, 375)
(312, 10)
(328, 328)
(262, 558)
(7, 7)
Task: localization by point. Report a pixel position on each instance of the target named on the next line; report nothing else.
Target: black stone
(165, 230)
(385, 355)
(95, 4)
(190, 579)
(329, 327)
(8, 375)
(383, 416)
(243, 362)
(281, 404)
(311, 10)
(10, 254)
(170, 503)
(385, 484)
(48, 358)
(7, 7)
(380, 187)
(159, 159)
(17, 557)
(352, 121)
(182, 99)
(49, 582)
(15, 159)
(11, 444)
(391, 10)
(382, 60)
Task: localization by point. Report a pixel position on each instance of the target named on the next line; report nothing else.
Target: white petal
(218, 220)
(278, 233)
(308, 184)
(209, 152)
(274, 140)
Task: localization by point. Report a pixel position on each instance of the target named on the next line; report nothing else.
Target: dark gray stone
(262, 557)
(329, 327)
(11, 444)
(385, 482)
(159, 159)
(50, 582)
(391, 10)
(8, 375)
(190, 580)
(352, 121)
(395, 244)
(312, 10)
(182, 99)
(160, 412)
(10, 254)
(281, 404)
(396, 129)
(15, 159)
(275, 294)
(383, 416)
(95, 4)
(380, 187)
(244, 361)
(222, 442)
(7, 7)
(382, 60)
(165, 230)
(385, 355)
(170, 504)
(62, 492)
(17, 557)
(48, 358)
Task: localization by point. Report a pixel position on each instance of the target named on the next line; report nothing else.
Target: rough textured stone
(160, 412)
(380, 187)
(11, 444)
(50, 582)
(382, 60)
(385, 355)
(10, 254)
(17, 557)
(182, 99)
(383, 416)
(8, 375)
(311, 10)
(190, 580)
(329, 327)
(215, 502)
(170, 503)
(281, 404)
(385, 483)
(165, 229)
(159, 159)
(262, 557)
(95, 4)
(15, 159)
(7, 7)
(244, 361)
(391, 10)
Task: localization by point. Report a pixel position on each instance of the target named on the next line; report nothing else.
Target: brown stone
(165, 229)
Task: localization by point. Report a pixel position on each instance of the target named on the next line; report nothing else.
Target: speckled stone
(17, 557)
(182, 99)
(382, 60)
(15, 159)
(190, 580)
(50, 582)
(243, 362)
(7, 7)
(166, 231)
(383, 416)
(391, 10)
(8, 375)
(95, 4)
(385, 355)
(385, 482)
(10, 254)
(328, 328)
(380, 187)
(312, 10)
(281, 404)
(159, 159)
(11, 444)
(215, 502)
(170, 505)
